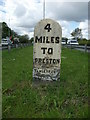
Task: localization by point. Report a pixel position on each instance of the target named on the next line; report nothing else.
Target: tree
(7, 32)
(77, 33)
(0, 32)
(24, 38)
(31, 40)
(64, 38)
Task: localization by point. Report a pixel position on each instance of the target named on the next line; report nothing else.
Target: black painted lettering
(57, 40)
(46, 61)
(43, 39)
(47, 27)
(43, 71)
(58, 61)
(36, 60)
(50, 50)
(50, 61)
(52, 39)
(43, 50)
(43, 60)
(38, 39)
(39, 60)
(47, 40)
(54, 61)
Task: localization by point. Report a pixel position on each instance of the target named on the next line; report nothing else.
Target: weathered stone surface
(47, 50)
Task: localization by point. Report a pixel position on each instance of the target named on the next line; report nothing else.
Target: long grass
(65, 99)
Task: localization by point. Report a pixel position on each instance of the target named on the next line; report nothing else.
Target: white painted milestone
(47, 50)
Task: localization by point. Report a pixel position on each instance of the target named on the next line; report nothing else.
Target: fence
(20, 45)
(84, 48)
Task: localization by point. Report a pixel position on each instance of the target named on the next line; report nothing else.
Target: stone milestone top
(47, 50)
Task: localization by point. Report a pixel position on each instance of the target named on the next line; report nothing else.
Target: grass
(22, 99)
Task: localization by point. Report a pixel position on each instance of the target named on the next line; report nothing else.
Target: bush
(83, 42)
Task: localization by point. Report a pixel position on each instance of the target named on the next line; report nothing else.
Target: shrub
(83, 42)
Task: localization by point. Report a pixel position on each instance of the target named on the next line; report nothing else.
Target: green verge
(22, 99)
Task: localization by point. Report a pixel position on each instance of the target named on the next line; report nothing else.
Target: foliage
(64, 38)
(7, 32)
(22, 98)
(0, 31)
(24, 38)
(77, 33)
(84, 41)
(31, 40)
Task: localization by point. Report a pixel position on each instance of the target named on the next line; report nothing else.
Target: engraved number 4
(47, 27)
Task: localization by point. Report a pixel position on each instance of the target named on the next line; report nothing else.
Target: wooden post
(85, 47)
(9, 48)
(16, 45)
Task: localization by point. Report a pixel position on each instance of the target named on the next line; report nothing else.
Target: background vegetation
(7, 32)
(84, 41)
